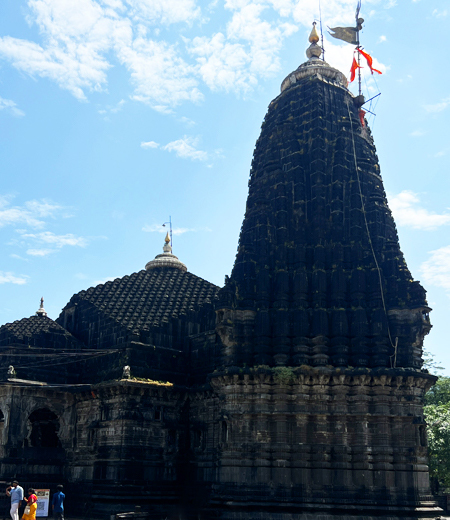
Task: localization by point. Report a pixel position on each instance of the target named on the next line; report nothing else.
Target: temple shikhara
(293, 392)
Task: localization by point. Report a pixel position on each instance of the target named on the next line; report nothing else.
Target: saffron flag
(369, 61)
(353, 69)
(361, 114)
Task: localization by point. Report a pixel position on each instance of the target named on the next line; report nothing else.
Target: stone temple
(294, 392)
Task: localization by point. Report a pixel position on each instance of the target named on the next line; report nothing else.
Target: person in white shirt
(16, 493)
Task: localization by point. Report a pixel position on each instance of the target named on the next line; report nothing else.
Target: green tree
(437, 414)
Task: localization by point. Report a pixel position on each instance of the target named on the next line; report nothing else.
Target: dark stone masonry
(294, 392)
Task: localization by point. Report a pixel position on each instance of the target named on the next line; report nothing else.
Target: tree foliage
(437, 414)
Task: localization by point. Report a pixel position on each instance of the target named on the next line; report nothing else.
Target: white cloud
(40, 252)
(43, 208)
(28, 220)
(73, 69)
(113, 109)
(407, 212)
(30, 214)
(382, 39)
(439, 14)
(417, 133)
(338, 12)
(18, 257)
(161, 77)
(436, 270)
(9, 106)
(438, 107)
(188, 122)
(264, 38)
(185, 148)
(247, 51)
(149, 144)
(181, 231)
(58, 241)
(164, 11)
(76, 47)
(75, 43)
(7, 277)
(223, 65)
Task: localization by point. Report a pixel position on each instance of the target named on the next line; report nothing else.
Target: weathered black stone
(318, 234)
(37, 331)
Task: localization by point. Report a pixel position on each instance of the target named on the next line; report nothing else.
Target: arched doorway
(44, 429)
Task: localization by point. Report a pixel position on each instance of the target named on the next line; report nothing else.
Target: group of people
(17, 498)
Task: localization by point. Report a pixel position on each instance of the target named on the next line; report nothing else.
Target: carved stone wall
(26, 451)
(313, 440)
(115, 444)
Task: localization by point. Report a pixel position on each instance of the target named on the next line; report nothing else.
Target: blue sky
(116, 114)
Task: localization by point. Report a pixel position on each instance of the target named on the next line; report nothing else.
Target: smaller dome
(166, 259)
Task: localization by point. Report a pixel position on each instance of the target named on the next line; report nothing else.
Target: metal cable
(394, 361)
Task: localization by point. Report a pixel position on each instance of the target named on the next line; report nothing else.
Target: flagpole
(321, 32)
(358, 46)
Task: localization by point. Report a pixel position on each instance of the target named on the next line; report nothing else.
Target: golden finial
(314, 51)
(167, 239)
(314, 37)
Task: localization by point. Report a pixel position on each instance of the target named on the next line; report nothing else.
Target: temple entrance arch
(44, 429)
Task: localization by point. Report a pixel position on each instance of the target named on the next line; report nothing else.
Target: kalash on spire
(166, 259)
(314, 66)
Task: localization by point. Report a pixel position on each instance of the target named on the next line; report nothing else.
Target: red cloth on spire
(361, 114)
(369, 61)
(353, 69)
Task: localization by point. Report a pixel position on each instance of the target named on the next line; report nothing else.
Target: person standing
(58, 503)
(16, 493)
(31, 507)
